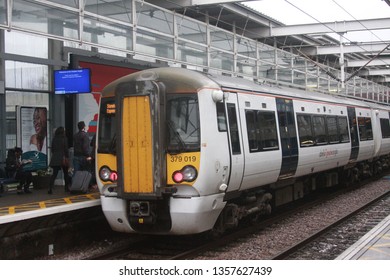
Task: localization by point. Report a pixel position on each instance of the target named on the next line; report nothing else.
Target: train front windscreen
(107, 127)
(183, 123)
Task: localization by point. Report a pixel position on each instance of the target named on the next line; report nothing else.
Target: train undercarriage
(262, 201)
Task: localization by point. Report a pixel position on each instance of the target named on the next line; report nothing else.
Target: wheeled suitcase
(80, 182)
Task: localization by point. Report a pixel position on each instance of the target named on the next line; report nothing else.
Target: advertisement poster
(33, 136)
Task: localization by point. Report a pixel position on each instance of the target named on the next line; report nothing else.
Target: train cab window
(343, 129)
(319, 128)
(333, 133)
(385, 128)
(306, 136)
(107, 127)
(365, 129)
(183, 122)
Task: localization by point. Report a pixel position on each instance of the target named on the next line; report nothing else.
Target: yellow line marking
(90, 196)
(48, 203)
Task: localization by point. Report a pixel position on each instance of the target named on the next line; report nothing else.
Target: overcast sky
(314, 11)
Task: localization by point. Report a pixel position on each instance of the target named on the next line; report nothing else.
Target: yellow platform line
(48, 203)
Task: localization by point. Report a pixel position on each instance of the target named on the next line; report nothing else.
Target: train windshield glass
(183, 123)
(107, 136)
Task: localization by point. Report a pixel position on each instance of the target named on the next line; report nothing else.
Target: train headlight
(188, 173)
(106, 174)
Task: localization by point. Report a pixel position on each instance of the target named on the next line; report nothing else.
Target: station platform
(32, 225)
(375, 245)
(15, 207)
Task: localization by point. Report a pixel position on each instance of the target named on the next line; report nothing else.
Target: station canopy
(350, 35)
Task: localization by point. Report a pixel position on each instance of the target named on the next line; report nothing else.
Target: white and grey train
(183, 152)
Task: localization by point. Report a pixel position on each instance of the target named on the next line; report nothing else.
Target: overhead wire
(361, 23)
(220, 20)
(375, 35)
(334, 31)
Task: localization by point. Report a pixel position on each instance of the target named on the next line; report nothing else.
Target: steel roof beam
(186, 3)
(208, 2)
(358, 48)
(362, 62)
(323, 28)
(260, 19)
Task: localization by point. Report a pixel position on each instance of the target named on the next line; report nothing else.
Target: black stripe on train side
(353, 128)
(288, 137)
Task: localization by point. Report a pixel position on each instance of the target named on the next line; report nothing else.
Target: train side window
(385, 128)
(369, 132)
(262, 133)
(319, 128)
(333, 133)
(268, 136)
(343, 129)
(306, 136)
(365, 129)
(221, 117)
(252, 131)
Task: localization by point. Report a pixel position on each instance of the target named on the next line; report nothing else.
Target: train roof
(190, 81)
(242, 84)
(193, 81)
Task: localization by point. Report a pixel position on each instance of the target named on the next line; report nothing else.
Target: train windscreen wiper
(181, 143)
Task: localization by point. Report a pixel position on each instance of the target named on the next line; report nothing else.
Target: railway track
(191, 247)
(307, 249)
(186, 247)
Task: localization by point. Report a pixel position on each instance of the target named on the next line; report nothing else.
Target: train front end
(149, 155)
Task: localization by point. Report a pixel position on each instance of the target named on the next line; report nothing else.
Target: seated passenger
(14, 166)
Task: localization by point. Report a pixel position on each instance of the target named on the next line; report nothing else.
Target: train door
(353, 129)
(140, 171)
(234, 132)
(288, 137)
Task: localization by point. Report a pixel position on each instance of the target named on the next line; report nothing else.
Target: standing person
(59, 158)
(38, 140)
(14, 165)
(81, 148)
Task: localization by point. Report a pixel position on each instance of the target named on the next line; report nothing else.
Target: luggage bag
(80, 182)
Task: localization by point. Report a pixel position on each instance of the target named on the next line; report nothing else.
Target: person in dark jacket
(14, 166)
(80, 148)
(59, 158)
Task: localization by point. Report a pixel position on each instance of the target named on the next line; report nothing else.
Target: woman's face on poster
(40, 121)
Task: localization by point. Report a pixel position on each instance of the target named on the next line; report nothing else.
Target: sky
(314, 11)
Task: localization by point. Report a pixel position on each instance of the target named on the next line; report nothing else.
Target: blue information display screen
(72, 81)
